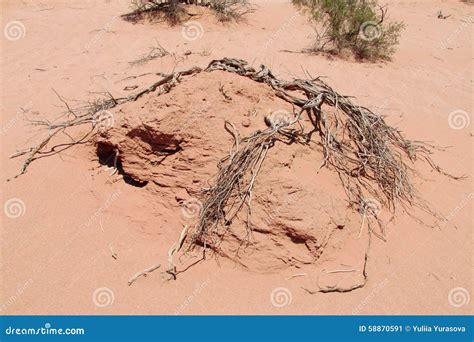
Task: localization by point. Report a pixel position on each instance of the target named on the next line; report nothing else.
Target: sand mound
(266, 172)
(172, 145)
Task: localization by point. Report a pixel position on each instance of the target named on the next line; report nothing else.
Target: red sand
(57, 255)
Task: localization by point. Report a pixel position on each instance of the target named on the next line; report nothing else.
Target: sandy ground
(57, 248)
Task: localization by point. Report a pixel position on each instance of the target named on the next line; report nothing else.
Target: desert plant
(172, 11)
(228, 10)
(175, 11)
(374, 161)
(355, 25)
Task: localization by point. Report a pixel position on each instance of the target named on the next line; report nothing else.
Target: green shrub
(356, 25)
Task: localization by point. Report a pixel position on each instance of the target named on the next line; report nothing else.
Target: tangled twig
(143, 273)
(371, 157)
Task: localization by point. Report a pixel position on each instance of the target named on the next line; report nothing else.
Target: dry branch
(371, 157)
(143, 273)
(157, 51)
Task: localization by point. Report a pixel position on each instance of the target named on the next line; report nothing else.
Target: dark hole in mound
(295, 238)
(108, 156)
